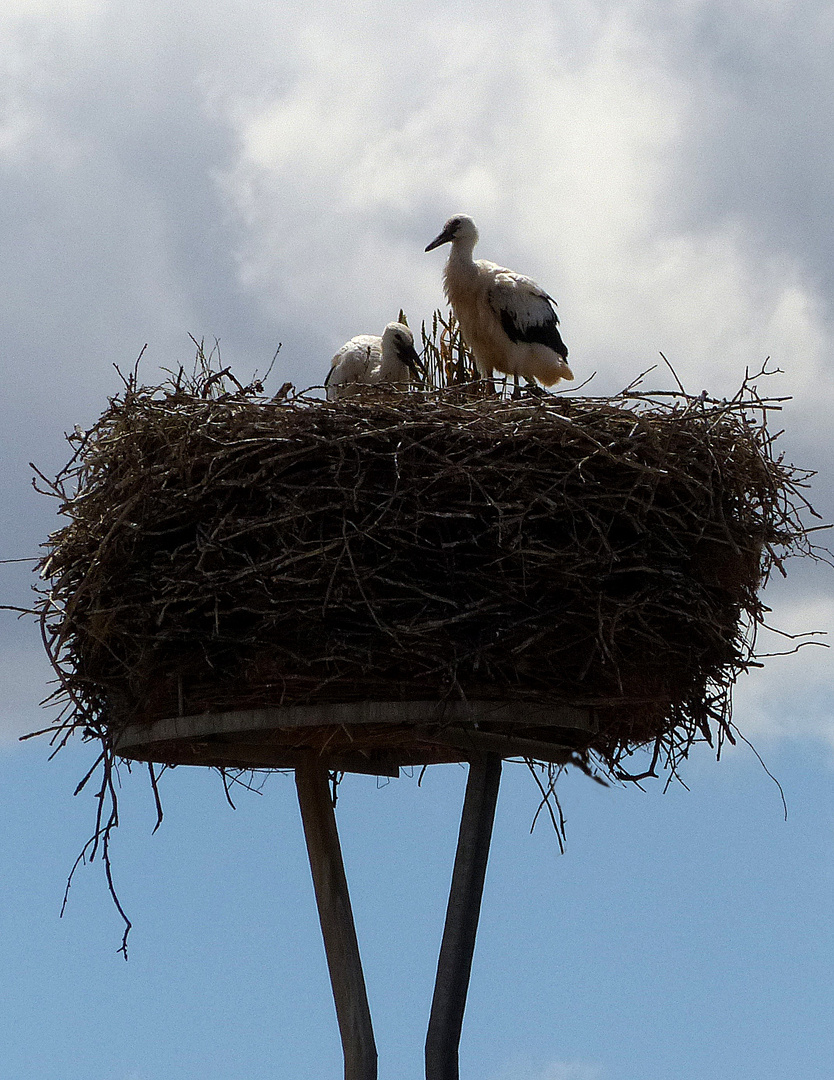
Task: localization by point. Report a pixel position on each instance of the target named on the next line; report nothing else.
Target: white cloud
(555, 1070)
(584, 140)
(567, 149)
(792, 696)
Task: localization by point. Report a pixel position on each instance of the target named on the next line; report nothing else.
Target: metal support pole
(455, 963)
(336, 917)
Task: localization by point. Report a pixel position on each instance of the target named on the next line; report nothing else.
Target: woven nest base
(228, 553)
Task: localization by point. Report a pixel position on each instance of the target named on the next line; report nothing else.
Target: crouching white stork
(370, 360)
(507, 320)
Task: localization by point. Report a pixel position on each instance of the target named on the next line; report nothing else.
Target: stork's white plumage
(370, 360)
(352, 364)
(507, 320)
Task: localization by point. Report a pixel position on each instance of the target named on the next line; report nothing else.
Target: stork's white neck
(460, 256)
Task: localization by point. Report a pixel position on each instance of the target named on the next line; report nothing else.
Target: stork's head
(397, 337)
(459, 229)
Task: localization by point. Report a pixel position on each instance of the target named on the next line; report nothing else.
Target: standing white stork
(507, 320)
(371, 360)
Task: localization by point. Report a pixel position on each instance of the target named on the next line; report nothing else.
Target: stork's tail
(549, 373)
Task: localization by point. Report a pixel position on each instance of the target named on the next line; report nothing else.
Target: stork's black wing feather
(542, 333)
(526, 312)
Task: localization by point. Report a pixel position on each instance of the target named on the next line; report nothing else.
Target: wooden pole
(455, 963)
(336, 918)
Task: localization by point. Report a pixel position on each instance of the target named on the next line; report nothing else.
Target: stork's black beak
(408, 355)
(444, 238)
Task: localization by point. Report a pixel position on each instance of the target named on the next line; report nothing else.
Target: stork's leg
(455, 963)
(336, 917)
(516, 387)
(484, 386)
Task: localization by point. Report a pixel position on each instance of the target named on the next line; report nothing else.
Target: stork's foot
(534, 390)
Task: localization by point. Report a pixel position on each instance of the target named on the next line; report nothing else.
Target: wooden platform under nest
(369, 736)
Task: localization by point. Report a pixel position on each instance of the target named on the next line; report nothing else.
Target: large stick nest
(226, 551)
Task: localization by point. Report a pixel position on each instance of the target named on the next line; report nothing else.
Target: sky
(271, 175)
